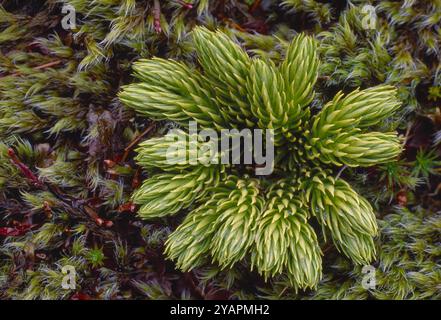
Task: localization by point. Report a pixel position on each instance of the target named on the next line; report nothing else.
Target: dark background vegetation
(66, 143)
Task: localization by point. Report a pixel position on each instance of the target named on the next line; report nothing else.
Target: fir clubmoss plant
(235, 215)
(67, 168)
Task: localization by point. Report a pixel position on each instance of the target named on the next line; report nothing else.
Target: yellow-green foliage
(267, 218)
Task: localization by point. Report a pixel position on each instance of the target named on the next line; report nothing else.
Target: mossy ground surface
(67, 167)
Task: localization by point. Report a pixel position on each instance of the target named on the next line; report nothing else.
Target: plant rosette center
(249, 204)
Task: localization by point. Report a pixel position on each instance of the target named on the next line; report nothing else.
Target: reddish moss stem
(24, 168)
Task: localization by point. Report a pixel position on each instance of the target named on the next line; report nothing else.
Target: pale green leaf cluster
(264, 221)
(348, 216)
(284, 239)
(158, 194)
(170, 152)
